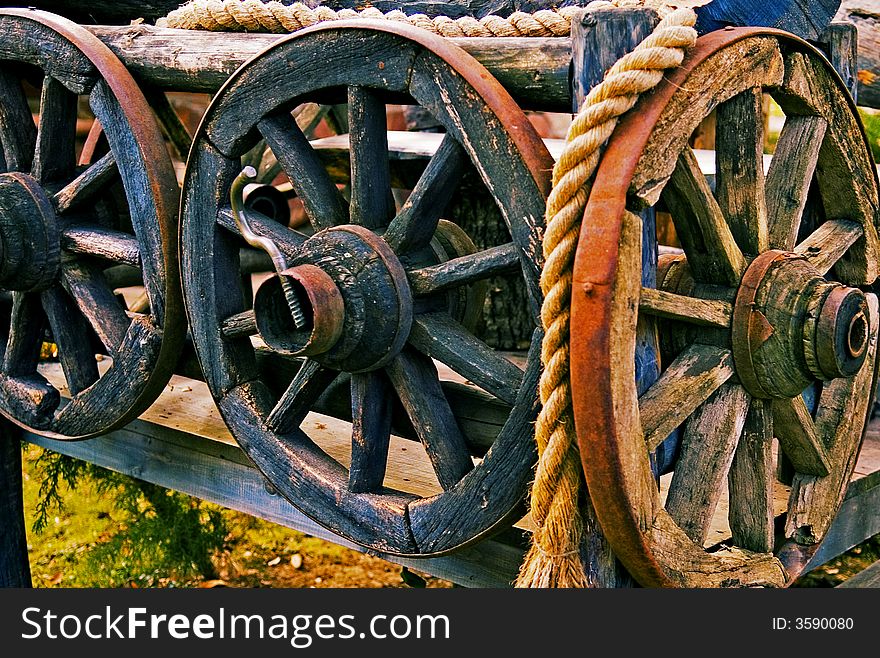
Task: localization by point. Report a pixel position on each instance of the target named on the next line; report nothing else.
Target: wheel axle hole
(857, 336)
(321, 305)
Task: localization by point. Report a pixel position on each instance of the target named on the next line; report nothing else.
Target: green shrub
(161, 535)
(872, 126)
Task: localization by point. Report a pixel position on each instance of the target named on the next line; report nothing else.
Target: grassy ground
(86, 545)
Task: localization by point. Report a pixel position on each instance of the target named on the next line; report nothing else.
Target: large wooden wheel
(764, 323)
(62, 225)
(384, 290)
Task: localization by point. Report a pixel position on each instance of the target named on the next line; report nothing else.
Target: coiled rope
(554, 559)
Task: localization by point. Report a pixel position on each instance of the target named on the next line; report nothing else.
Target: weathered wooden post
(865, 15)
(14, 568)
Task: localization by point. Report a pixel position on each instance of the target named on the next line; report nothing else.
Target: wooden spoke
(465, 269)
(750, 482)
(105, 243)
(442, 338)
(690, 379)
(323, 203)
(310, 381)
(790, 175)
(414, 226)
(240, 324)
(707, 448)
(370, 431)
(25, 335)
(89, 183)
(17, 130)
(74, 340)
(828, 243)
(372, 204)
(169, 121)
(417, 384)
(705, 312)
(55, 157)
(798, 438)
(843, 407)
(288, 240)
(739, 171)
(97, 303)
(712, 252)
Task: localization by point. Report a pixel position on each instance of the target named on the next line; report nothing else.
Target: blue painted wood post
(805, 18)
(599, 38)
(14, 567)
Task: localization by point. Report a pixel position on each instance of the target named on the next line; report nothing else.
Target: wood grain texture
(865, 15)
(535, 70)
(372, 204)
(182, 443)
(445, 340)
(750, 482)
(416, 222)
(726, 72)
(23, 342)
(710, 438)
(115, 246)
(96, 301)
(73, 336)
(790, 175)
(828, 243)
(690, 380)
(87, 184)
(18, 133)
(801, 17)
(701, 226)
(304, 390)
(323, 204)
(370, 431)
(845, 171)
(799, 438)
(465, 269)
(739, 170)
(415, 379)
(840, 43)
(705, 312)
(601, 37)
(55, 155)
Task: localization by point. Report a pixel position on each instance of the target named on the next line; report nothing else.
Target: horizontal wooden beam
(534, 71)
(220, 473)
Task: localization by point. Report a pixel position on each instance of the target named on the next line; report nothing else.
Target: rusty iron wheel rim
(615, 470)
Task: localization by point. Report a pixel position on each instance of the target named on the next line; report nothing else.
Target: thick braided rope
(258, 16)
(554, 558)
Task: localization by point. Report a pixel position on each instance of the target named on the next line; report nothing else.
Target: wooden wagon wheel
(763, 304)
(375, 295)
(59, 234)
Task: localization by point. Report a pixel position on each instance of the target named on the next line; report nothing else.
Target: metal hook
(239, 214)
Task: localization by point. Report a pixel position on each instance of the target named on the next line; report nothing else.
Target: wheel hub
(355, 296)
(791, 327)
(29, 239)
